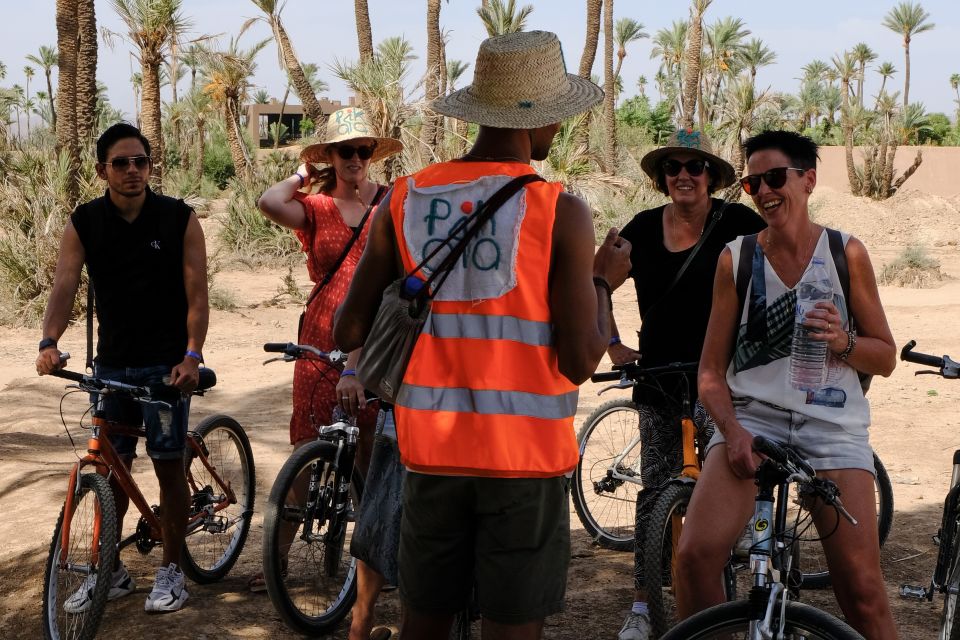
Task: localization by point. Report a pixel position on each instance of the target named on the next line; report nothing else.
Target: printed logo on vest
(487, 268)
(155, 244)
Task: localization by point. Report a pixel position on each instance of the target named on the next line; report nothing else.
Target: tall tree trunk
(50, 99)
(68, 45)
(587, 59)
(198, 168)
(432, 80)
(848, 137)
(307, 97)
(887, 178)
(150, 113)
(238, 151)
(87, 71)
(174, 66)
(283, 107)
(609, 114)
(364, 30)
(691, 64)
(906, 71)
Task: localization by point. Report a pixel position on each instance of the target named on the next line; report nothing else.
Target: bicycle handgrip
(778, 453)
(606, 376)
(75, 376)
(277, 347)
(908, 354)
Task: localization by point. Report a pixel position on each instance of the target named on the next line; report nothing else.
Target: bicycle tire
(731, 621)
(210, 551)
(950, 618)
(815, 574)
(308, 598)
(669, 506)
(59, 584)
(608, 516)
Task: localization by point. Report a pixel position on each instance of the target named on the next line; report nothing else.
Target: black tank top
(137, 273)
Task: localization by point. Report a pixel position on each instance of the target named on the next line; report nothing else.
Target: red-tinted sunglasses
(775, 178)
(364, 152)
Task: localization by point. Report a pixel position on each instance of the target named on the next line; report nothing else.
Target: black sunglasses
(775, 178)
(122, 162)
(694, 167)
(364, 152)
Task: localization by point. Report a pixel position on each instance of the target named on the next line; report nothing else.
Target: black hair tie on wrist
(603, 284)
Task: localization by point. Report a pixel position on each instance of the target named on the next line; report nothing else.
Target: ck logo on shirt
(155, 244)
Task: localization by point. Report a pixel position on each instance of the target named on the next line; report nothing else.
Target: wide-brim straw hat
(690, 141)
(345, 125)
(520, 81)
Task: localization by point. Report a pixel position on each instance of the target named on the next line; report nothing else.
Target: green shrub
(217, 161)
(912, 268)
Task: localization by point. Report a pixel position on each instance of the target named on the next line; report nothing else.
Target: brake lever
(623, 384)
(284, 358)
(926, 372)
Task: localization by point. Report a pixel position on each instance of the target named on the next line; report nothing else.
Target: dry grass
(913, 268)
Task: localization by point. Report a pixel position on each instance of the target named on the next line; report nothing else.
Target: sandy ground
(914, 431)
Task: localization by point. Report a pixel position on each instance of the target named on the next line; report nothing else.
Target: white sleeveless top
(760, 364)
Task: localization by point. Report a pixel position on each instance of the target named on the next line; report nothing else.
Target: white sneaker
(636, 627)
(121, 584)
(169, 591)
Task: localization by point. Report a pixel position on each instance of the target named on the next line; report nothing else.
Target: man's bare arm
(65, 283)
(378, 267)
(185, 375)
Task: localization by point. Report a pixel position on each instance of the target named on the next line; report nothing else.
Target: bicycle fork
(768, 593)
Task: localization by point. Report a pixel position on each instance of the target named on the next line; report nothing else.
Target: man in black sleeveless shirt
(146, 259)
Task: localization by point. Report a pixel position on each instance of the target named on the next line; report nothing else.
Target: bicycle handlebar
(293, 351)
(782, 455)
(208, 378)
(633, 371)
(946, 366)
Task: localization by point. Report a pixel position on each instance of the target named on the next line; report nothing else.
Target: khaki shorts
(508, 536)
(823, 444)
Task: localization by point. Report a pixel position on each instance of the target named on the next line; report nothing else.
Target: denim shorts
(376, 533)
(825, 445)
(166, 427)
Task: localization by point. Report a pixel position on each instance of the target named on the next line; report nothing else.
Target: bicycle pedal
(911, 592)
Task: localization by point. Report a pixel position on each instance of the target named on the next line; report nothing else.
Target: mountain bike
(770, 611)
(218, 463)
(946, 573)
(308, 521)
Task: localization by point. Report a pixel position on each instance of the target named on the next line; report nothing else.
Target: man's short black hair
(114, 134)
(801, 150)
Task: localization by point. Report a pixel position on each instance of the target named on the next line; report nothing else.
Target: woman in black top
(674, 312)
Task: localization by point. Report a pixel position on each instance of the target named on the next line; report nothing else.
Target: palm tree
(955, 85)
(190, 57)
(316, 85)
(815, 70)
(642, 86)
(724, 42)
(609, 97)
(14, 99)
(863, 55)
(500, 18)
(846, 68)
(28, 74)
(668, 45)
(592, 37)
(3, 70)
(626, 31)
(455, 70)
(197, 108)
(151, 27)
(907, 19)
(288, 59)
(47, 60)
(737, 117)
(68, 45)
(86, 70)
(886, 70)
(364, 31)
(262, 96)
(691, 62)
(432, 132)
(754, 55)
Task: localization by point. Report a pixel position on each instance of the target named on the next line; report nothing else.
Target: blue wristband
(348, 372)
(614, 340)
(302, 179)
(193, 354)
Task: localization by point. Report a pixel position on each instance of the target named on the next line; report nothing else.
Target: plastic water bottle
(808, 357)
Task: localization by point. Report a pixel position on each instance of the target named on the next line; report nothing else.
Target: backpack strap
(840, 263)
(744, 269)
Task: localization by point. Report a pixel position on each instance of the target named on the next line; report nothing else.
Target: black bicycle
(946, 573)
(770, 611)
(308, 522)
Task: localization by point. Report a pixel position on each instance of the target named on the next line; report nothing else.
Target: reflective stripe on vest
(482, 394)
(462, 325)
(489, 402)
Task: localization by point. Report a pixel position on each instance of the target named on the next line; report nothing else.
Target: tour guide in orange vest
(485, 412)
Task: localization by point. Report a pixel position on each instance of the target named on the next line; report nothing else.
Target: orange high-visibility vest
(482, 394)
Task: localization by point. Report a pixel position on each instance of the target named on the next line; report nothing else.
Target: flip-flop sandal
(257, 583)
(384, 633)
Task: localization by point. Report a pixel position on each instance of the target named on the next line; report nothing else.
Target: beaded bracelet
(614, 340)
(851, 343)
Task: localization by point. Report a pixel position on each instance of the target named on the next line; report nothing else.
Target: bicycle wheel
(606, 505)
(815, 574)
(310, 579)
(91, 528)
(950, 618)
(213, 543)
(731, 621)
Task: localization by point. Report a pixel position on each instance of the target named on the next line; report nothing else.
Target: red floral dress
(314, 384)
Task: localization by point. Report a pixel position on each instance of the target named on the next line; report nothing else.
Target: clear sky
(323, 31)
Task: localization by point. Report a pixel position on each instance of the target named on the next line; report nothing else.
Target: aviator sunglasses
(775, 178)
(694, 167)
(346, 151)
(122, 162)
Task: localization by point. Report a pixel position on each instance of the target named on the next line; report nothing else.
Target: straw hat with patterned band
(345, 125)
(691, 141)
(520, 82)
